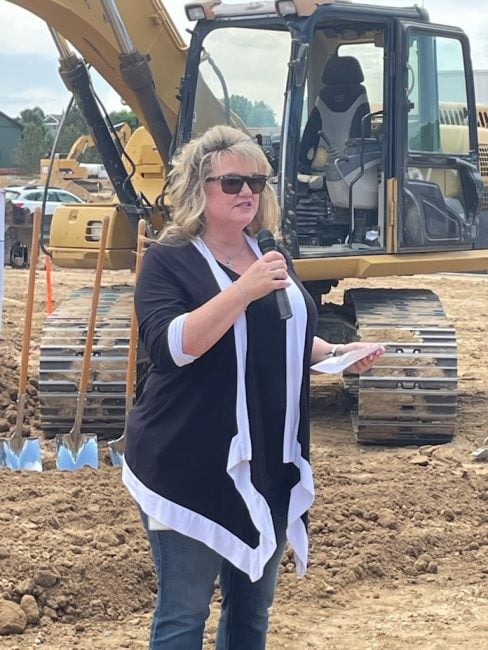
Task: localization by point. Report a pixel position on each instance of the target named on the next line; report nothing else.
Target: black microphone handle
(266, 243)
(283, 304)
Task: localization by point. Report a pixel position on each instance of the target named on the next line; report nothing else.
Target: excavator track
(61, 354)
(410, 395)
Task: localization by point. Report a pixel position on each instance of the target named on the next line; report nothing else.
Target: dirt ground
(399, 551)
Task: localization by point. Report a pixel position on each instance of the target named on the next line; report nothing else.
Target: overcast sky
(29, 63)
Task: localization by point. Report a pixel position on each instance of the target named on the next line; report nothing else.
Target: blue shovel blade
(72, 459)
(116, 457)
(116, 448)
(28, 458)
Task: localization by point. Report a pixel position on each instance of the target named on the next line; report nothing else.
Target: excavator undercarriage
(62, 345)
(409, 397)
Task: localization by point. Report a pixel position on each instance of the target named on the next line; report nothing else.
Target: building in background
(452, 86)
(51, 122)
(481, 86)
(10, 133)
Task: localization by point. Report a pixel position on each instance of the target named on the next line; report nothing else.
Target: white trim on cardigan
(175, 341)
(302, 494)
(188, 522)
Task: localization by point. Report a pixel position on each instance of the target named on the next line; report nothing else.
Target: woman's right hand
(265, 275)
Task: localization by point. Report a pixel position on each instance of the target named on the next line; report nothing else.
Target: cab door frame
(424, 220)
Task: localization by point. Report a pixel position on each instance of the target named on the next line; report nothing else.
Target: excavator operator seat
(336, 117)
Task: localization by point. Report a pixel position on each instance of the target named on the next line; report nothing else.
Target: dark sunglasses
(233, 183)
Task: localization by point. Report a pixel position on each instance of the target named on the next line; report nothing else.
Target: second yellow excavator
(69, 172)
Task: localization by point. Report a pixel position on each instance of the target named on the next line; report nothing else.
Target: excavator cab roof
(215, 9)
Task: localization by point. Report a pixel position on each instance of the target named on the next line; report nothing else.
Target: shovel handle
(90, 333)
(29, 307)
(132, 354)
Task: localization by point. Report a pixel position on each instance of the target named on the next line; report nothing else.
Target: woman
(217, 446)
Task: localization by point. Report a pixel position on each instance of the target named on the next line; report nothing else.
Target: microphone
(266, 243)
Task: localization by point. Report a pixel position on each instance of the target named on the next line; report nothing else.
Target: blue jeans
(186, 572)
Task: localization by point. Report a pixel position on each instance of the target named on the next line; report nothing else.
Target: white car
(30, 197)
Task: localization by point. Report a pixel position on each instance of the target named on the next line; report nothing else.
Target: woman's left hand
(365, 363)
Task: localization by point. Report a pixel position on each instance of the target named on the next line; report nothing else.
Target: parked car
(30, 197)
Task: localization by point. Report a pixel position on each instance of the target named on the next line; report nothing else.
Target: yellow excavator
(371, 179)
(454, 114)
(68, 167)
(69, 172)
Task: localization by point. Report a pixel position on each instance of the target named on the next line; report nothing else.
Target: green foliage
(36, 142)
(76, 120)
(91, 155)
(253, 113)
(242, 106)
(74, 126)
(116, 117)
(32, 115)
(68, 135)
(31, 148)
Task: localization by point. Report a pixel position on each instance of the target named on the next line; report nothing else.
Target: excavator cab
(367, 166)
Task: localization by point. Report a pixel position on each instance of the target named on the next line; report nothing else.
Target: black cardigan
(180, 430)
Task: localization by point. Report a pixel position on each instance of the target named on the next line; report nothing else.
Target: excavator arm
(79, 146)
(84, 142)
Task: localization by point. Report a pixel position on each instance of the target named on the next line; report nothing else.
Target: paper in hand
(340, 363)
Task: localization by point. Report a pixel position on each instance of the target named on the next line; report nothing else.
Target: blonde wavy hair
(193, 163)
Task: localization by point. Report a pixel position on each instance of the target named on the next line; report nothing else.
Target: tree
(254, 114)
(262, 115)
(74, 126)
(242, 106)
(116, 117)
(35, 115)
(76, 119)
(36, 142)
(31, 148)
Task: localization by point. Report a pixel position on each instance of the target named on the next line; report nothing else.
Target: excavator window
(431, 90)
(440, 193)
(246, 70)
(338, 205)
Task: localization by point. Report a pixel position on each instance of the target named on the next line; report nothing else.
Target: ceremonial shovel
(18, 452)
(75, 449)
(117, 446)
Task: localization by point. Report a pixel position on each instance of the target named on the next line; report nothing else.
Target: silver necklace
(229, 259)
